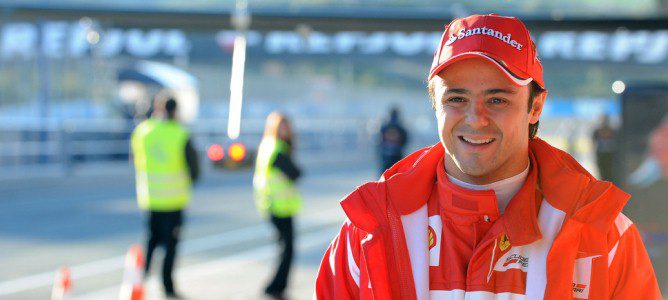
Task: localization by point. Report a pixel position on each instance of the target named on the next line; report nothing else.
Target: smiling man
(490, 212)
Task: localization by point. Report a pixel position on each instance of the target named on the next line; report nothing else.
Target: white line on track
(217, 266)
(189, 247)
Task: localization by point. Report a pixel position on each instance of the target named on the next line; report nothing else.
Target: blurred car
(141, 81)
(231, 156)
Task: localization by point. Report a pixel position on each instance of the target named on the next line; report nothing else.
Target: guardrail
(63, 146)
(72, 142)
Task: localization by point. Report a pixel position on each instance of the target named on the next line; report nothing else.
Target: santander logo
(464, 33)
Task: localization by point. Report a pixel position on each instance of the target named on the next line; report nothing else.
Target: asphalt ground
(89, 220)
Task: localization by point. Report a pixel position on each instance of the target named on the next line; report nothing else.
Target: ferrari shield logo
(504, 243)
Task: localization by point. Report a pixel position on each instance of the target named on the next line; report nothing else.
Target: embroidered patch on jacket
(516, 258)
(434, 232)
(504, 243)
(582, 276)
(432, 238)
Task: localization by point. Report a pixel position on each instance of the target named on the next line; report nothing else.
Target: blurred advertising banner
(61, 39)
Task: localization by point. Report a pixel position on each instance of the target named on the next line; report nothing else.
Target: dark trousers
(389, 161)
(164, 229)
(285, 231)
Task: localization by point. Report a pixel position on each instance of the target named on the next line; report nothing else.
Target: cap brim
(512, 77)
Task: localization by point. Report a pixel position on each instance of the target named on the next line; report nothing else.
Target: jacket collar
(410, 182)
(407, 185)
(520, 216)
(457, 199)
(520, 219)
(567, 186)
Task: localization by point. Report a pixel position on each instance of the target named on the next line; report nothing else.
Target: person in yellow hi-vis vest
(275, 192)
(166, 166)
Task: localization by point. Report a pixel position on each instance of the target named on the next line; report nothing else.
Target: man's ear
(537, 107)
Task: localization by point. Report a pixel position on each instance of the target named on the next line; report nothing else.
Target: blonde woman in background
(276, 195)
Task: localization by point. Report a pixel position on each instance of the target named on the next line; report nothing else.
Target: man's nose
(476, 115)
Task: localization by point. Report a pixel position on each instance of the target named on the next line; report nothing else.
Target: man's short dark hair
(534, 91)
(170, 107)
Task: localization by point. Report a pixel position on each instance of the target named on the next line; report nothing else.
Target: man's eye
(497, 101)
(455, 102)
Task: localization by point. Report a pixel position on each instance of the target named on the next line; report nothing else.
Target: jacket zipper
(476, 253)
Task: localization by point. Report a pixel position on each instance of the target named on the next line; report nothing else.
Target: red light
(237, 151)
(215, 152)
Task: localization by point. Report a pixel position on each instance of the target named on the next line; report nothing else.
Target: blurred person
(393, 140)
(166, 166)
(655, 163)
(276, 195)
(604, 138)
(492, 211)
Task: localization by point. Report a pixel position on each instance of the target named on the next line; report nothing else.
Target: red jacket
(578, 243)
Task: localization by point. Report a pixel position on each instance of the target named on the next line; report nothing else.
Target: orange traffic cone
(132, 288)
(62, 284)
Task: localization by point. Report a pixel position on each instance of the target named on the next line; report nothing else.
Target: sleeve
(339, 273)
(287, 166)
(192, 160)
(630, 270)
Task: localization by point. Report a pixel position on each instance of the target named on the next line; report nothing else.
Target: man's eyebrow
(499, 91)
(457, 91)
(463, 91)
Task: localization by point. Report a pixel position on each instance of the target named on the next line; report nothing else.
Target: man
(393, 139)
(166, 166)
(490, 212)
(604, 140)
(655, 163)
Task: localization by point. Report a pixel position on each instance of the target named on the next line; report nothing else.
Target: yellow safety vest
(163, 181)
(275, 193)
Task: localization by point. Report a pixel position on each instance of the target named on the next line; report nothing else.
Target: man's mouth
(476, 141)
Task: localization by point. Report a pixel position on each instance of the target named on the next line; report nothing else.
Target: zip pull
(486, 217)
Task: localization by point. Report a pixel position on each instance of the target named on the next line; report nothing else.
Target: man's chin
(474, 171)
(475, 168)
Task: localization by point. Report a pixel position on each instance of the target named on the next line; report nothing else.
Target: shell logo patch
(504, 243)
(434, 241)
(432, 238)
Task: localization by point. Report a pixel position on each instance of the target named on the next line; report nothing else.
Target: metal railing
(62, 147)
(71, 143)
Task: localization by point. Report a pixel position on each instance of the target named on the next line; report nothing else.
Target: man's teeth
(474, 141)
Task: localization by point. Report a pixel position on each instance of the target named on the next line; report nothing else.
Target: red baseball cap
(504, 41)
